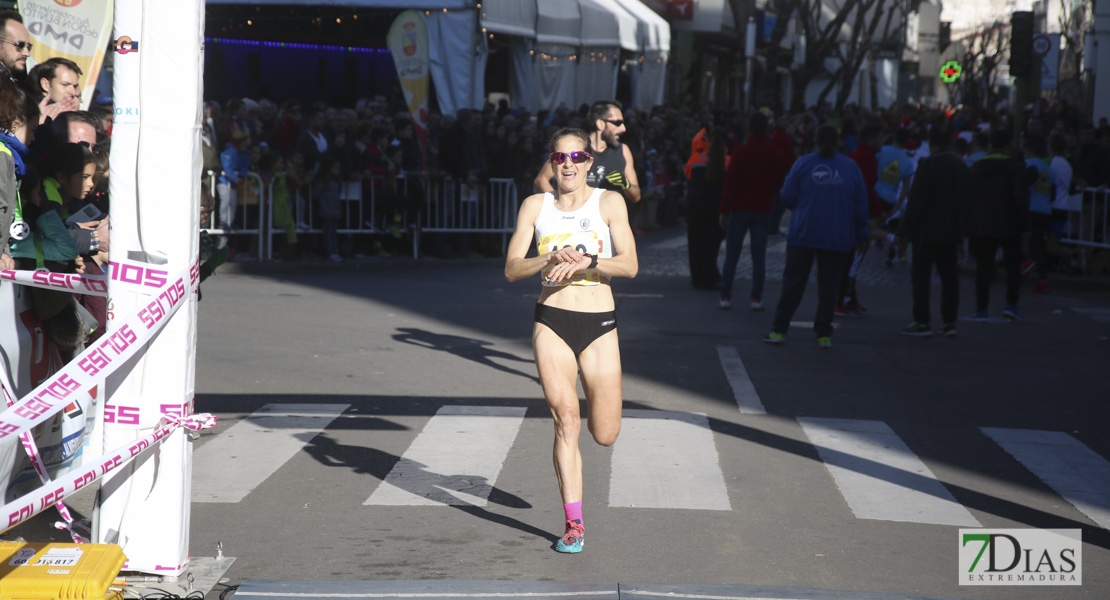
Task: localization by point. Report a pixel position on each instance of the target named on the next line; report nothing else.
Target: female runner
(584, 239)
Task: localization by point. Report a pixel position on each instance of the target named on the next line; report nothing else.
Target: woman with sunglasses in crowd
(583, 239)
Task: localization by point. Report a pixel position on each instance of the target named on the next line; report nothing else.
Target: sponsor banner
(73, 29)
(1021, 557)
(408, 44)
(24, 508)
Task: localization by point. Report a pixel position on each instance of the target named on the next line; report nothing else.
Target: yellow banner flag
(73, 29)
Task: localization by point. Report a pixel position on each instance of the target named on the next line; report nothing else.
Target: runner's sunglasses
(575, 157)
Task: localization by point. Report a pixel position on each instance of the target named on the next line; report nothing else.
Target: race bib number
(586, 242)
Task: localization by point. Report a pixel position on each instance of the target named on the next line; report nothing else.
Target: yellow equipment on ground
(59, 571)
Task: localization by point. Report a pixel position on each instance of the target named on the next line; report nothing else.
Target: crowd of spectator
(374, 142)
(951, 183)
(53, 183)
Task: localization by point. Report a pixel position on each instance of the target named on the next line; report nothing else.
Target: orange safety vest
(699, 153)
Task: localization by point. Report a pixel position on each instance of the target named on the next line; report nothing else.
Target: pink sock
(574, 511)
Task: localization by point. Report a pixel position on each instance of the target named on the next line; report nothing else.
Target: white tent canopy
(559, 22)
(596, 65)
(602, 22)
(598, 26)
(654, 31)
(507, 17)
(556, 37)
(627, 25)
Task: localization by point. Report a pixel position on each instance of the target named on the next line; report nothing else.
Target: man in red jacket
(870, 142)
(755, 174)
(782, 141)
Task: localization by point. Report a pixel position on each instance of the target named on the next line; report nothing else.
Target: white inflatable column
(155, 187)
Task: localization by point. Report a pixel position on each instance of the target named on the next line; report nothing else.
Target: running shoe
(1012, 313)
(856, 309)
(916, 329)
(335, 258)
(1042, 287)
(840, 311)
(757, 305)
(1028, 266)
(775, 337)
(948, 329)
(824, 342)
(572, 540)
(979, 315)
(725, 303)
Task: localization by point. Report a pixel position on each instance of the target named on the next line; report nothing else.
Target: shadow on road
(478, 351)
(436, 487)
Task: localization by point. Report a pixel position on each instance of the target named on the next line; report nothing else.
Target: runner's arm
(624, 262)
(632, 192)
(518, 267)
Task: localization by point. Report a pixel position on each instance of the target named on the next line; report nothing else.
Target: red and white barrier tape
(98, 361)
(23, 508)
(93, 285)
(28, 440)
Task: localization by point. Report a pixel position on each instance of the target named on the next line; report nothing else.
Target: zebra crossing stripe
(232, 464)
(455, 460)
(742, 389)
(1065, 464)
(666, 460)
(879, 476)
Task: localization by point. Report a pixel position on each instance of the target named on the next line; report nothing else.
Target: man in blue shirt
(1040, 211)
(828, 197)
(236, 162)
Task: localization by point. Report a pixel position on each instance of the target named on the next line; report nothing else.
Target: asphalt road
(394, 341)
(381, 420)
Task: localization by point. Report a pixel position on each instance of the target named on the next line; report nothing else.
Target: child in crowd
(50, 246)
(272, 170)
(298, 180)
(327, 190)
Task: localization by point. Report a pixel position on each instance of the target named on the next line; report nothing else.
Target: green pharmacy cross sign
(950, 71)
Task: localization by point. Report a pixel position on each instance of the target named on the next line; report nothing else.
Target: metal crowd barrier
(1088, 221)
(251, 217)
(409, 204)
(455, 206)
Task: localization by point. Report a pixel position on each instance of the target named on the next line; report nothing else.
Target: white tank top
(582, 229)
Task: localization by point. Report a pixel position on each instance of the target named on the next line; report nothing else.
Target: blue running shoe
(1012, 313)
(979, 315)
(572, 540)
